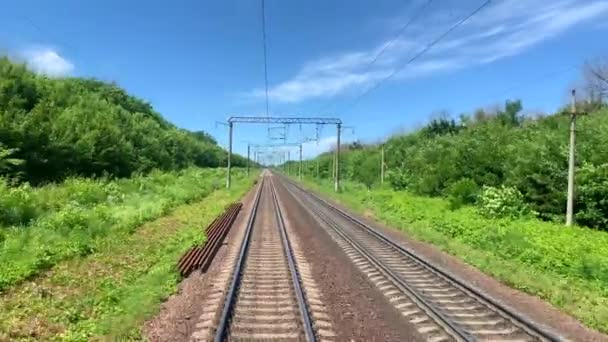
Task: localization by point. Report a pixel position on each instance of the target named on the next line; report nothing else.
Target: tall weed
(43, 226)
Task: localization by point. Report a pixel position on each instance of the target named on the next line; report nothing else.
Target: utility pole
(229, 153)
(300, 173)
(337, 181)
(382, 164)
(248, 155)
(317, 166)
(287, 163)
(333, 167)
(571, 162)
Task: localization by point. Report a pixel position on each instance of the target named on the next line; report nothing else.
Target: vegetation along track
(442, 307)
(265, 299)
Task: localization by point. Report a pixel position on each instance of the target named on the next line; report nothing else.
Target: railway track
(265, 299)
(440, 306)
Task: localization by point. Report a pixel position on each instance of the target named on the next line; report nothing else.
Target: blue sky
(199, 62)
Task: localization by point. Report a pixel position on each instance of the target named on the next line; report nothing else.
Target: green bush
(464, 191)
(502, 202)
(592, 195)
(495, 149)
(17, 205)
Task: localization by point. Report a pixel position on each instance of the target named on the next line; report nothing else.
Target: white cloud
(307, 85)
(44, 60)
(313, 148)
(503, 29)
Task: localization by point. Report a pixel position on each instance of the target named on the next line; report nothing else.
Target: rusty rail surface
(199, 257)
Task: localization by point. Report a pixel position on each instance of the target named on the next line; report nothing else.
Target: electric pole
(333, 167)
(248, 156)
(382, 164)
(300, 173)
(337, 183)
(229, 154)
(571, 161)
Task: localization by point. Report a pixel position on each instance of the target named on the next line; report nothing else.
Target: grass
(567, 267)
(108, 295)
(40, 227)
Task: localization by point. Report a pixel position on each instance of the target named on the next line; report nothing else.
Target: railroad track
(265, 299)
(442, 307)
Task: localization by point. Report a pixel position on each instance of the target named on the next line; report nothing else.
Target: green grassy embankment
(42, 226)
(567, 267)
(111, 291)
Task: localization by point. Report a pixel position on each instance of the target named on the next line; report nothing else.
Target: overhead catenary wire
(422, 52)
(388, 44)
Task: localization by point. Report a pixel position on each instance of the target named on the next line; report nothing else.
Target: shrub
(592, 196)
(502, 202)
(17, 205)
(464, 191)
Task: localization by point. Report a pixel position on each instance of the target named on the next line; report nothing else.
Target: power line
(265, 53)
(413, 18)
(423, 51)
(399, 33)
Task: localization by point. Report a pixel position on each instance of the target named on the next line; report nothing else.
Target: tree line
(54, 128)
(525, 156)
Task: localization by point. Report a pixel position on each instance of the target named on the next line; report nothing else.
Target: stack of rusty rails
(199, 257)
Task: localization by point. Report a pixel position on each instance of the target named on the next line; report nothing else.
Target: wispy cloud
(504, 29)
(47, 61)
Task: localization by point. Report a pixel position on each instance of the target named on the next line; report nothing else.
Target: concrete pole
(300, 172)
(248, 156)
(337, 182)
(287, 163)
(333, 167)
(382, 165)
(571, 163)
(229, 153)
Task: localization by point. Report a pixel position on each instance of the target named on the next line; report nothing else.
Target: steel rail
(445, 322)
(295, 278)
(221, 332)
(516, 318)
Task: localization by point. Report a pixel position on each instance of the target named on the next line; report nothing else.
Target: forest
(51, 129)
(504, 162)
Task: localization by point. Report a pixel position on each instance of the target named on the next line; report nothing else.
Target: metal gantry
(287, 121)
